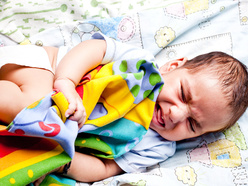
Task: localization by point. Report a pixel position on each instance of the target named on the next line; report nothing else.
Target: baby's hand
(76, 110)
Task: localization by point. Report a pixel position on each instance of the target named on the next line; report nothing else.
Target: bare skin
(18, 90)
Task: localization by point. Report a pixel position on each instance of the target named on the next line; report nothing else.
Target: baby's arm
(86, 168)
(75, 64)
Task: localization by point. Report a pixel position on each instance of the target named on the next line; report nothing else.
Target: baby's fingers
(79, 117)
(71, 109)
(80, 114)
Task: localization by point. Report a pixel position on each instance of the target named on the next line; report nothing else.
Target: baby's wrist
(61, 82)
(62, 79)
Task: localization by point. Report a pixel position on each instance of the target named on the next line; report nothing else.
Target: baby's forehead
(209, 73)
(198, 86)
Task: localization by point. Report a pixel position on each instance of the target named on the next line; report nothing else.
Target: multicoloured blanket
(119, 99)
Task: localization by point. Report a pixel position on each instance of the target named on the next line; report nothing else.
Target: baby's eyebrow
(187, 89)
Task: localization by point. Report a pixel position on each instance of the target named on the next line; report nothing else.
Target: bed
(169, 29)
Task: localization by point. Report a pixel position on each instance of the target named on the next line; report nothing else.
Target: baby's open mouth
(160, 118)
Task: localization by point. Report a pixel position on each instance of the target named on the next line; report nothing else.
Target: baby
(205, 94)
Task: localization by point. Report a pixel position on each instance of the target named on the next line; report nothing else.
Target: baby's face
(189, 105)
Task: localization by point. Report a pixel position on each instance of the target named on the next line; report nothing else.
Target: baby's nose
(178, 114)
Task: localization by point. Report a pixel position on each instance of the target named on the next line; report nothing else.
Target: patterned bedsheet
(170, 29)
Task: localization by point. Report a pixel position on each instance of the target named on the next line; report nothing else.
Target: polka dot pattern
(139, 63)
(123, 66)
(14, 181)
(154, 78)
(30, 173)
(142, 77)
(135, 90)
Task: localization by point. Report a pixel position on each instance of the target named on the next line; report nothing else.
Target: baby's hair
(232, 76)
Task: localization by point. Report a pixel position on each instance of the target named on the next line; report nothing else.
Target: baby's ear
(171, 65)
